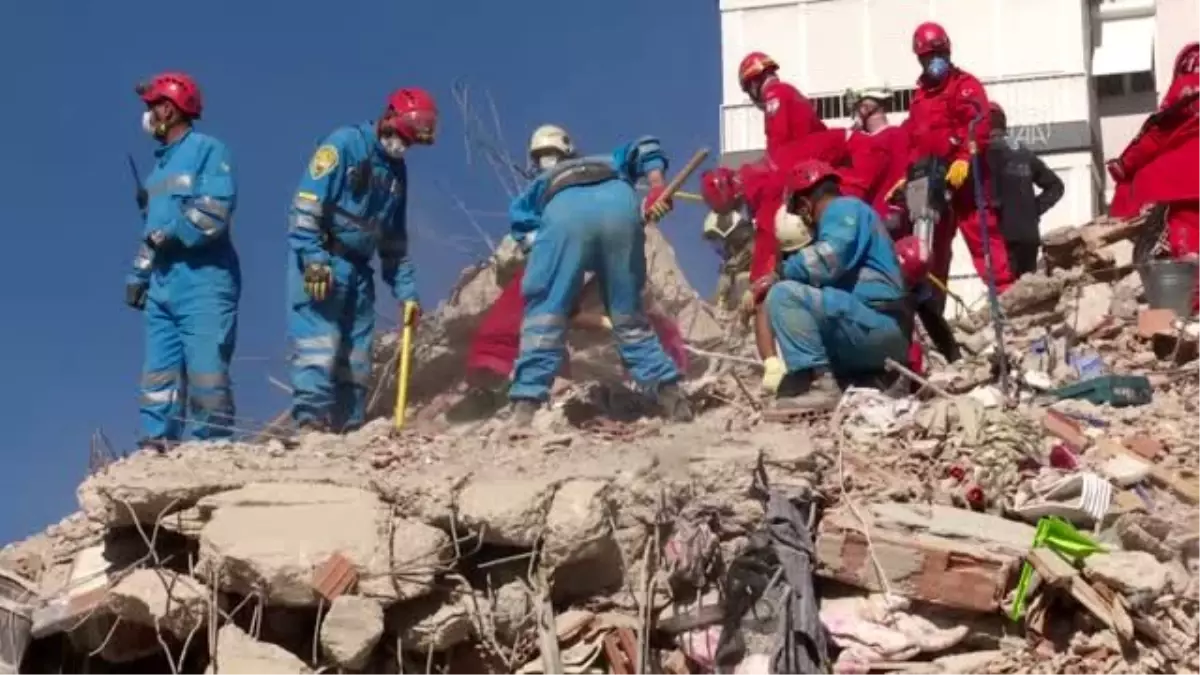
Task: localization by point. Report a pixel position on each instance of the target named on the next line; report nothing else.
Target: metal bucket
(16, 599)
(1170, 284)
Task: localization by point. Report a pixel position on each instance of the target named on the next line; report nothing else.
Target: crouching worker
(582, 214)
(839, 306)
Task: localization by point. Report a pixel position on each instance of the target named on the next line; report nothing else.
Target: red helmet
(721, 189)
(930, 37)
(754, 65)
(415, 115)
(913, 265)
(178, 88)
(808, 173)
(1188, 60)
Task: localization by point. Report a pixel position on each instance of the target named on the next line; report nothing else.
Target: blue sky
(277, 76)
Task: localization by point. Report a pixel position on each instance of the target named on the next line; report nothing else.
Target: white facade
(1035, 58)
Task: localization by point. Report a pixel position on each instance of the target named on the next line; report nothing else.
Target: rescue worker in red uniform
(787, 115)
(1159, 166)
(947, 99)
(878, 151)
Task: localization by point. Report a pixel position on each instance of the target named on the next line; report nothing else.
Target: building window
(837, 107)
(1124, 84)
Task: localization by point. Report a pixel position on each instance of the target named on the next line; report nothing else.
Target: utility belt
(902, 310)
(574, 173)
(337, 249)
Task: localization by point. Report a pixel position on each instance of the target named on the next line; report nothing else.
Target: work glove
(773, 372)
(894, 190)
(135, 294)
(956, 175)
(606, 322)
(652, 211)
(318, 280)
(410, 313)
(1116, 170)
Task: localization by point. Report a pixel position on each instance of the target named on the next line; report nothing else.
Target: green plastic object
(1061, 537)
(1116, 390)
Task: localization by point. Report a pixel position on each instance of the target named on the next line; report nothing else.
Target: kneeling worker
(839, 306)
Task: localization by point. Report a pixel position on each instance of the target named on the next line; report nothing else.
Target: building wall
(1175, 25)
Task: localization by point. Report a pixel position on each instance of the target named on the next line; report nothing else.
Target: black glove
(135, 294)
(143, 199)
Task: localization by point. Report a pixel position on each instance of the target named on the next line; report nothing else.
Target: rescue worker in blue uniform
(582, 214)
(351, 202)
(186, 278)
(841, 303)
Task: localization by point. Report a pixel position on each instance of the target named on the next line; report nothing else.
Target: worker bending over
(351, 202)
(788, 116)
(1159, 165)
(186, 277)
(838, 305)
(731, 236)
(582, 214)
(946, 101)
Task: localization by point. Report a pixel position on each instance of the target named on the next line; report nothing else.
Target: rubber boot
(523, 410)
(814, 390)
(675, 405)
(477, 404)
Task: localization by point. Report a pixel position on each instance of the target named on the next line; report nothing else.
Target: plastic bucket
(1170, 284)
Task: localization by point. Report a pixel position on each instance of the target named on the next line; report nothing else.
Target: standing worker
(947, 99)
(788, 116)
(351, 202)
(186, 278)
(732, 237)
(1015, 172)
(582, 214)
(878, 150)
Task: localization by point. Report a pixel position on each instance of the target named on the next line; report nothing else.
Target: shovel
(410, 310)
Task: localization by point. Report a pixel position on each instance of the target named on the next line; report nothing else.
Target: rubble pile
(1047, 528)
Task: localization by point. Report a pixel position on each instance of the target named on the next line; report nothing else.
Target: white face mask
(547, 161)
(148, 125)
(393, 146)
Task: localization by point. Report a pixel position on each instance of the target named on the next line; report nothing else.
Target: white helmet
(791, 231)
(717, 225)
(550, 137)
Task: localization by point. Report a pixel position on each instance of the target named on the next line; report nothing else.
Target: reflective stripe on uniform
(630, 329)
(304, 221)
(144, 258)
(206, 223)
(209, 380)
(178, 181)
(543, 332)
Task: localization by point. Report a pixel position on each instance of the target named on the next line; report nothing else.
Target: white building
(1076, 77)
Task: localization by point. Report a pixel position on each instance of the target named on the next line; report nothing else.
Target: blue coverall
(841, 299)
(194, 284)
(351, 202)
(584, 215)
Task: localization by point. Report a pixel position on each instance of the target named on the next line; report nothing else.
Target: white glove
(773, 372)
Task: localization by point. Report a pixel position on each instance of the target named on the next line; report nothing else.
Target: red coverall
(763, 185)
(788, 117)
(1160, 164)
(498, 338)
(878, 161)
(937, 125)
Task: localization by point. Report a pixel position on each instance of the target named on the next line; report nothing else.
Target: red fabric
(788, 117)
(877, 162)
(1183, 228)
(916, 355)
(497, 341)
(937, 125)
(1123, 205)
(968, 224)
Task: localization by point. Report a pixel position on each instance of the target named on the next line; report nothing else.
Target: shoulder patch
(771, 106)
(323, 161)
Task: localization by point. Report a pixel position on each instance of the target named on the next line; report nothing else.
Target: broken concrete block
(418, 553)
(579, 518)
(1154, 321)
(240, 654)
(1135, 574)
(272, 536)
(1145, 447)
(922, 567)
(143, 492)
(993, 532)
(436, 622)
(160, 598)
(507, 511)
(1088, 307)
(350, 630)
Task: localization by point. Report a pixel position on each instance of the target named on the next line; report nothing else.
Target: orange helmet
(753, 66)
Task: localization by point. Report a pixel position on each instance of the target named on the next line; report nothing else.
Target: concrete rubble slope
(481, 548)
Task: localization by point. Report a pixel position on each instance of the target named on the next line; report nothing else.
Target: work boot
(478, 403)
(154, 445)
(523, 410)
(675, 405)
(813, 390)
